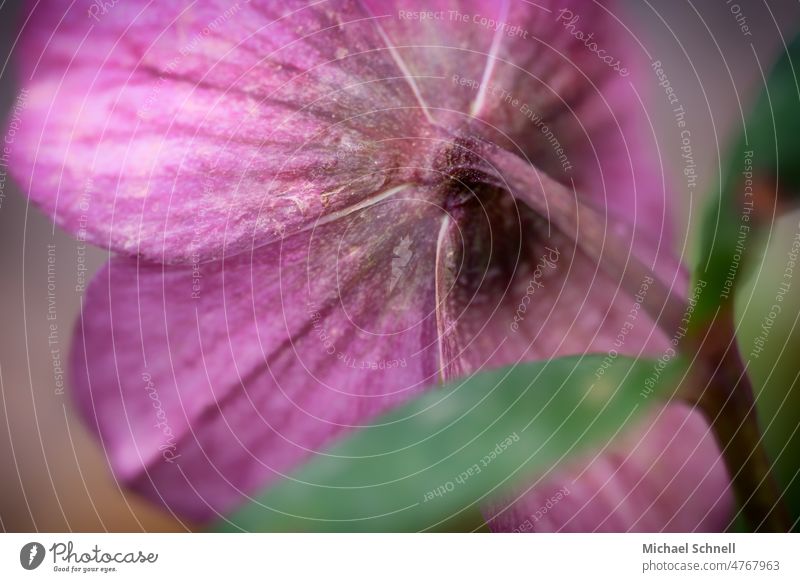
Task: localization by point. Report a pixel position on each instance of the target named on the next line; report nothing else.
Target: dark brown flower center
(500, 237)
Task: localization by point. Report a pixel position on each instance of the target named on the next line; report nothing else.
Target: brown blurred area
(54, 473)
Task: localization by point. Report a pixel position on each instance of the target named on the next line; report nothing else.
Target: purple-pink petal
(156, 134)
(664, 476)
(206, 383)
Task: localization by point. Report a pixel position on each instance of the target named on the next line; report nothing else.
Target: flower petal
(206, 384)
(519, 289)
(666, 476)
(182, 131)
(572, 86)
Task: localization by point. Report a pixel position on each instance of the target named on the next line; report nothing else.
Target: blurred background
(54, 475)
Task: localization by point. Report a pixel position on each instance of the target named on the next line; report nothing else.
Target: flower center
(463, 173)
(499, 236)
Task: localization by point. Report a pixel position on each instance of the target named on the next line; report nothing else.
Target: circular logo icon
(31, 555)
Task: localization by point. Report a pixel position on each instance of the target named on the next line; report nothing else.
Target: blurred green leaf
(773, 129)
(430, 463)
(773, 364)
(764, 159)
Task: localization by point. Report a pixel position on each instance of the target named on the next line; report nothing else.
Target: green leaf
(430, 463)
(773, 129)
(765, 157)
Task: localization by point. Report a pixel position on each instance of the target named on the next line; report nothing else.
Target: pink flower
(312, 223)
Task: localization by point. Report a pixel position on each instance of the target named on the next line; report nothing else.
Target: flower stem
(728, 402)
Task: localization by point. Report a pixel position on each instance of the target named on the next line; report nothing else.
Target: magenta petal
(156, 132)
(206, 385)
(665, 476)
(577, 118)
(520, 290)
(439, 51)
